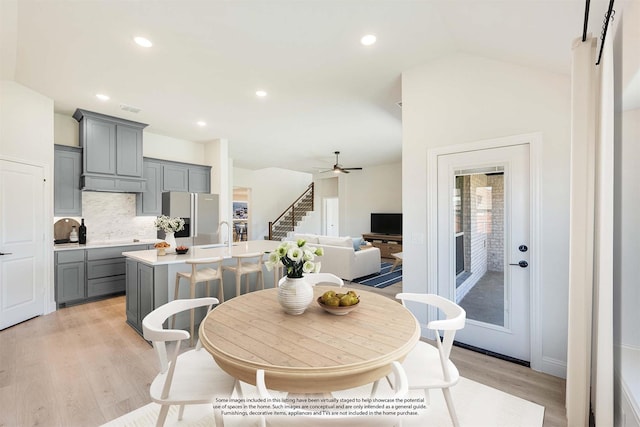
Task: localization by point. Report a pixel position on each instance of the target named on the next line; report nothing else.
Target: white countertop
(103, 244)
(151, 257)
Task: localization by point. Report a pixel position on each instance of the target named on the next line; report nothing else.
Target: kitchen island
(150, 278)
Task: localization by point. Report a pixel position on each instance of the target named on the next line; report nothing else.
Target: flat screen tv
(386, 223)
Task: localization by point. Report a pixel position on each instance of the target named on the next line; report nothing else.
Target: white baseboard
(555, 367)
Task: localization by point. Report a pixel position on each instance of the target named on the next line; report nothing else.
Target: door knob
(522, 264)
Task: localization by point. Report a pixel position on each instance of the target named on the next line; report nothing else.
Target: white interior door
(21, 242)
(483, 217)
(331, 216)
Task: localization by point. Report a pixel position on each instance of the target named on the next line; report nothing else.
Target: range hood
(111, 153)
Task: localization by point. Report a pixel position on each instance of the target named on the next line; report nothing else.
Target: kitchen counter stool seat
(200, 275)
(246, 264)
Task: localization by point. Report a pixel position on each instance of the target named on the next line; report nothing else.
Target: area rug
(477, 405)
(385, 278)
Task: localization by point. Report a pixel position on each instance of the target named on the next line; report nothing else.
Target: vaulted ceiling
(325, 90)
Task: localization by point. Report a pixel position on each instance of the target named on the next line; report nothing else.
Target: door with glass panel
(483, 237)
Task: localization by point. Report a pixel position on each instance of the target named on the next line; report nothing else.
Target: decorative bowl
(182, 251)
(339, 310)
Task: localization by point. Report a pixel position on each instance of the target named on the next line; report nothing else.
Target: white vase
(295, 295)
(170, 238)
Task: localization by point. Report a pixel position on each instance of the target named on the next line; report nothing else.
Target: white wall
(272, 191)
(628, 208)
(462, 98)
(26, 134)
(374, 189)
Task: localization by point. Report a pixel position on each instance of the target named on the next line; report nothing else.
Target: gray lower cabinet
(144, 291)
(67, 170)
(70, 276)
(85, 274)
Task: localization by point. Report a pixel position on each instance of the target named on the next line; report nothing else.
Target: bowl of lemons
(339, 303)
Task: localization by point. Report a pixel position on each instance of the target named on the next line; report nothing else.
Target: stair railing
(292, 209)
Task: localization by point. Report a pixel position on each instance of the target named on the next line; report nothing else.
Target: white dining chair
(304, 417)
(428, 366)
(188, 378)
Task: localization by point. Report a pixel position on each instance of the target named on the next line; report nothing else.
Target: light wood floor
(84, 366)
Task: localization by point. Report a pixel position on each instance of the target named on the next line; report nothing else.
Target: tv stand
(387, 243)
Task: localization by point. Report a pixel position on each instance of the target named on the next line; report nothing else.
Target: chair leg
(181, 412)
(193, 313)
(208, 289)
(221, 291)
(374, 388)
(261, 280)
(450, 407)
(162, 416)
(238, 284)
(175, 296)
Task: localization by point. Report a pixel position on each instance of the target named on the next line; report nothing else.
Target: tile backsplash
(112, 216)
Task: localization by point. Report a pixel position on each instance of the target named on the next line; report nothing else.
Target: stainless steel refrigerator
(200, 214)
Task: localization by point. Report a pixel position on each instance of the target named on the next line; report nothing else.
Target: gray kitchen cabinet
(86, 274)
(165, 175)
(132, 298)
(175, 177)
(70, 276)
(112, 152)
(199, 179)
(144, 291)
(67, 169)
(149, 202)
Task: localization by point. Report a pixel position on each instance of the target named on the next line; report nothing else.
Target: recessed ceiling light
(368, 40)
(201, 123)
(102, 97)
(261, 93)
(144, 42)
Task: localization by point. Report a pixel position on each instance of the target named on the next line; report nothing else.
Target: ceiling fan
(337, 168)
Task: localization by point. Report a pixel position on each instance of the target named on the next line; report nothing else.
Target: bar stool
(205, 274)
(247, 264)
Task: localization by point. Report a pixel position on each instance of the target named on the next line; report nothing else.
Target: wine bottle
(82, 233)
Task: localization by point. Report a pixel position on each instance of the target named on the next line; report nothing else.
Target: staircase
(289, 219)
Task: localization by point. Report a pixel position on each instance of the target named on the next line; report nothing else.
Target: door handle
(522, 264)
(5, 253)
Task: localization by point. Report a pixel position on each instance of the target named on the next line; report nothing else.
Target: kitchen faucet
(230, 234)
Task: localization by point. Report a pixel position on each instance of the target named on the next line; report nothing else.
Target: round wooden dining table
(315, 352)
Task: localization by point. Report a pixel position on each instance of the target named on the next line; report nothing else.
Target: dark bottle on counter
(82, 233)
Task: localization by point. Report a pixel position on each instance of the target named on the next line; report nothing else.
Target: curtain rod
(586, 20)
(605, 26)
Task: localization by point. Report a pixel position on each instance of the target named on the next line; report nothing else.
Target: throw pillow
(357, 242)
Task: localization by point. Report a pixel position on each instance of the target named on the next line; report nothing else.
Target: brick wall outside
(495, 236)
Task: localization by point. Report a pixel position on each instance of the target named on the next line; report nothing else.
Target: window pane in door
(480, 287)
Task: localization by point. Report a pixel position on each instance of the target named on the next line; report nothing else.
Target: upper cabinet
(112, 153)
(165, 175)
(67, 197)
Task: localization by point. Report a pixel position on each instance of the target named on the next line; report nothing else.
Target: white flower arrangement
(168, 224)
(297, 257)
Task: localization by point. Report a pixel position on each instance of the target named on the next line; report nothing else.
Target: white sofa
(340, 257)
